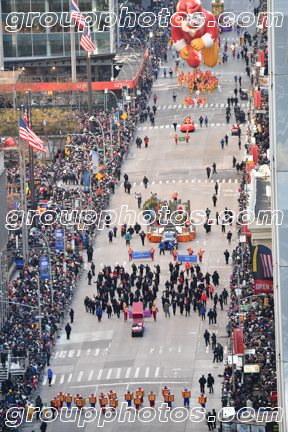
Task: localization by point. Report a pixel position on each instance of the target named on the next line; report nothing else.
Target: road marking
(167, 181)
(78, 353)
(90, 375)
(118, 373)
(80, 376)
(144, 127)
(97, 350)
(162, 127)
(62, 354)
(137, 372)
(150, 127)
(151, 350)
(217, 124)
(199, 181)
(174, 106)
(160, 349)
(88, 351)
(128, 373)
(236, 181)
(56, 354)
(205, 181)
(179, 349)
(44, 380)
(222, 105)
(99, 374)
(62, 379)
(53, 379)
(153, 182)
(212, 124)
(186, 181)
(212, 181)
(157, 372)
(179, 106)
(69, 378)
(180, 181)
(156, 127)
(134, 184)
(223, 181)
(160, 182)
(169, 106)
(147, 372)
(167, 126)
(193, 181)
(173, 181)
(71, 353)
(164, 107)
(229, 181)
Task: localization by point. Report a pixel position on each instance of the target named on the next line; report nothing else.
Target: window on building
(9, 43)
(39, 45)
(24, 43)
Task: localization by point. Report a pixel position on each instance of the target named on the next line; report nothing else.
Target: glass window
(102, 5)
(86, 6)
(24, 43)
(37, 5)
(56, 44)
(39, 45)
(8, 6)
(9, 42)
(55, 5)
(22, 6)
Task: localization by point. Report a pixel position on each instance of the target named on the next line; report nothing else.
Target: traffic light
(266, 301)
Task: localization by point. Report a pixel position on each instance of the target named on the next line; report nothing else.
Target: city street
(101, 356)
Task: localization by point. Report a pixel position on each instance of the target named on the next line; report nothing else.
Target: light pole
(119, 69)
(109, 91)
(103, 137)
(135, 38)
(125, 61)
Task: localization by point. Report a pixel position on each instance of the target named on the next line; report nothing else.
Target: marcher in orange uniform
(200, 254)
(190, 251)
(152, 250)
(130, 253)
(176, 137)
(154, 310)
(175, 254)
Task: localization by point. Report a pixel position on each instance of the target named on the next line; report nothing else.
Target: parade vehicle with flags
(235, 130)
(188, 125)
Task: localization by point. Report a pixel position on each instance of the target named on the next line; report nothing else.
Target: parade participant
(68, 400)
(103, 401)
(185, 101)
(130, 251)
(125, 310)
(190, 251)
(187, 267)
(187, 137)
(92, 400)
(140, 394)
(169, 398)
(204, 100)
(152, 398)
(77, 396)
(80, 402)
(176, 137)
(152, 250)
(175, 253)
(154, 310)
(60, 398)
(200, 254)
(137, 402)
(175, 196)
(202, 400)
(129, 397)
(190, 100)
(186, 394)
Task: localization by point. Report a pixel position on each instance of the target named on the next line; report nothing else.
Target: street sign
(124, 116)
(245, 307)
(181, 138)
(99, 176)
(238, 291)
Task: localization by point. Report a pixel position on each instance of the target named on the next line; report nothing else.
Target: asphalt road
(103, 356)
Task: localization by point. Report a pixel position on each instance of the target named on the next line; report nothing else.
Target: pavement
(103, 356)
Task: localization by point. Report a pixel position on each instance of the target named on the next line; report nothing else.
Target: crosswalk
(197, 125)
(108, 374)
(207, 105)
(181, 181)
(69, 354)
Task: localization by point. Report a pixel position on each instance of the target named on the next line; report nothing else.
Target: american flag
(266, 259)
(28, 135)
(27, 115)
(86, 42)
(77, 15)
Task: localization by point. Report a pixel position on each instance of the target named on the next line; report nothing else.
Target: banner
(238, 341)
(181, 139)
(187, 258)
(263, 286)
(44, 268)
(95, 162)
(120, 106)
(86, 182)
(141, 255)
(59, 241)
(262, 269)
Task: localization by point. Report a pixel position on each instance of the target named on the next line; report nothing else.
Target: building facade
(30, 39)
(278, 89)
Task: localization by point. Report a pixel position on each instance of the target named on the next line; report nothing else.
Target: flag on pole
(267, 261)
(77, 15)
(86, 42)
(28, 135)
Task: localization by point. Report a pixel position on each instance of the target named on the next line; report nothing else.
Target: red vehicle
(138, 322)
(235, 130)
(188, 125)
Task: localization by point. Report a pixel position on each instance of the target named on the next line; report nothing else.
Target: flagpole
(25, 201)
(73, 51)
(89, 88)
(31, 158)
(22, 198)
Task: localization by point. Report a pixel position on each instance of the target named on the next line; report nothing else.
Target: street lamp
(110, 91)
(135, 38)
(91, 119)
